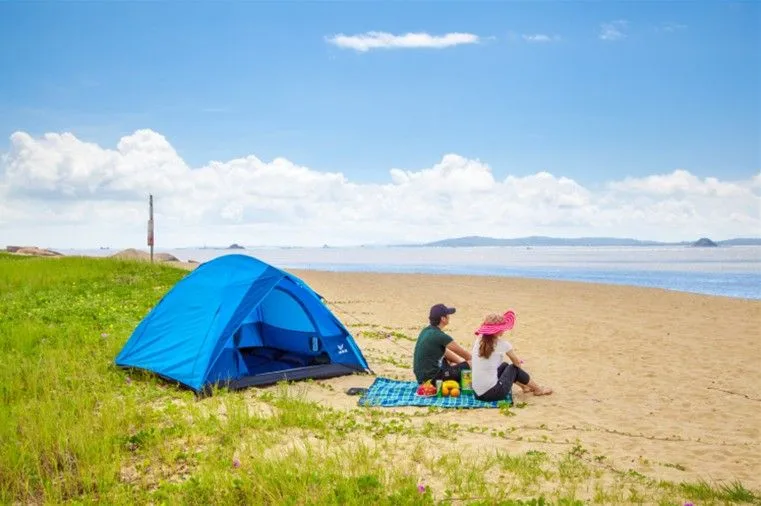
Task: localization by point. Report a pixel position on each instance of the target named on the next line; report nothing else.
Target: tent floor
(321, 371)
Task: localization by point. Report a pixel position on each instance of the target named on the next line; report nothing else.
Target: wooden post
(150, 224)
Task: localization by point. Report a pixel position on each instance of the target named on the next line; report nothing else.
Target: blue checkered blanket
(387, 392)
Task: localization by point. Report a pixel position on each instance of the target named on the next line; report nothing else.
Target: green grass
(76, 429)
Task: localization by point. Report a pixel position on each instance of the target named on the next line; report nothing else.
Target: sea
(728, 271)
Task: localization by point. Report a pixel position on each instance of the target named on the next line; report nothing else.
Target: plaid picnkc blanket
(387, 392)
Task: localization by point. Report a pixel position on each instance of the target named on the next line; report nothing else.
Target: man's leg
(453, 372)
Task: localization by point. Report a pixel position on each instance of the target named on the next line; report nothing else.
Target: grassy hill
(74, 428)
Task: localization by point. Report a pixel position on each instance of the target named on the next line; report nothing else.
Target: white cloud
(59, 191)
(613, 30)
(383, 40)
(681, 182)
(671, 27)
(540, 37)
(63, 167)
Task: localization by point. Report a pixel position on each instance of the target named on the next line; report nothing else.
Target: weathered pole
(150, 224)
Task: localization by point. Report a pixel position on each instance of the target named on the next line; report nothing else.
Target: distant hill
(473, 241)
(704, 242)
(476, 241)
(741, 241)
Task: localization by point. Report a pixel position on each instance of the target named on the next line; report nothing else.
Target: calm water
(727, 271)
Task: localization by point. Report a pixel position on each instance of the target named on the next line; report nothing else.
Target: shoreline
(725, 280)
(731, 272)
(190, 266)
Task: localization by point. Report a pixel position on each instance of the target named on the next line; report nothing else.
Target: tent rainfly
(236, 321)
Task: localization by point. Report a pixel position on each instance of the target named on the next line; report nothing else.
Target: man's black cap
(440, 310)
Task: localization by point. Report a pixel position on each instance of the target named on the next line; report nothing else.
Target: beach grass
(74, 428)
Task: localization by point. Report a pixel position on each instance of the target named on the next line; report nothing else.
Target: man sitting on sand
(437, 355)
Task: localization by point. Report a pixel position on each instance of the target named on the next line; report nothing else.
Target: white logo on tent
(342, 349)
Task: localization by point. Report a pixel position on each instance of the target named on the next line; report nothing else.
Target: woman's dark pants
(507, 374)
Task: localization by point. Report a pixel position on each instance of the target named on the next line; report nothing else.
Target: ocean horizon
(729, 271)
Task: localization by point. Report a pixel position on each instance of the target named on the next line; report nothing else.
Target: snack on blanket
(426, 389)
(450, 388)
(466, 380)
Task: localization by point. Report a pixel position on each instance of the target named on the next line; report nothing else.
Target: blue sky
(222, 80)
(368, 122)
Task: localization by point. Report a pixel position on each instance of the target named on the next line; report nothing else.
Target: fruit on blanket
(448, 387)
(426, 389)
(455, 392)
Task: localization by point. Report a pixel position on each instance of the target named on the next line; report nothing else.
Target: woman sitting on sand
(492, 378)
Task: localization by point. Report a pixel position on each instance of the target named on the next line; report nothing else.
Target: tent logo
(342, 349)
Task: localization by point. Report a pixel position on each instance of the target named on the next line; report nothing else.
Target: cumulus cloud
(57, 190)
(63, 167)
(681, 182)
(540, 37)
(613, 30)
(382, 40)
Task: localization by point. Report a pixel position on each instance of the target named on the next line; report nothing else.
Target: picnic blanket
(387, 392)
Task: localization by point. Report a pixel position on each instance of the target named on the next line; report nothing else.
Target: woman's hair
(489, 341)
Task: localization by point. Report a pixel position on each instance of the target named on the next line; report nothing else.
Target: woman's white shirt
(485, 369)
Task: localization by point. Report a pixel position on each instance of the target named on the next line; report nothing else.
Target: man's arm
(452, 357)
(456, 353)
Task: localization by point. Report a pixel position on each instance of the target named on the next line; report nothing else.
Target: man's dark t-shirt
(430, 347)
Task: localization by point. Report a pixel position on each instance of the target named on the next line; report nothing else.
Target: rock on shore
(32, 251)
(135, 254)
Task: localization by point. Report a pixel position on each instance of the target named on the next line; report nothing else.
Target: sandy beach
(663, 383)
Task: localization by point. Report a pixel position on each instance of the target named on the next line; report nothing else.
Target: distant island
(704, 242)
(476, 241)
(235, 246)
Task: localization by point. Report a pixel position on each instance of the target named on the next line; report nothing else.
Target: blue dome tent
(239, 322)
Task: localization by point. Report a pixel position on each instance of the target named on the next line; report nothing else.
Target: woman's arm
(514, 358)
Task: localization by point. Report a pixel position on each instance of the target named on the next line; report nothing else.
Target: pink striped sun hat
(507, 323)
